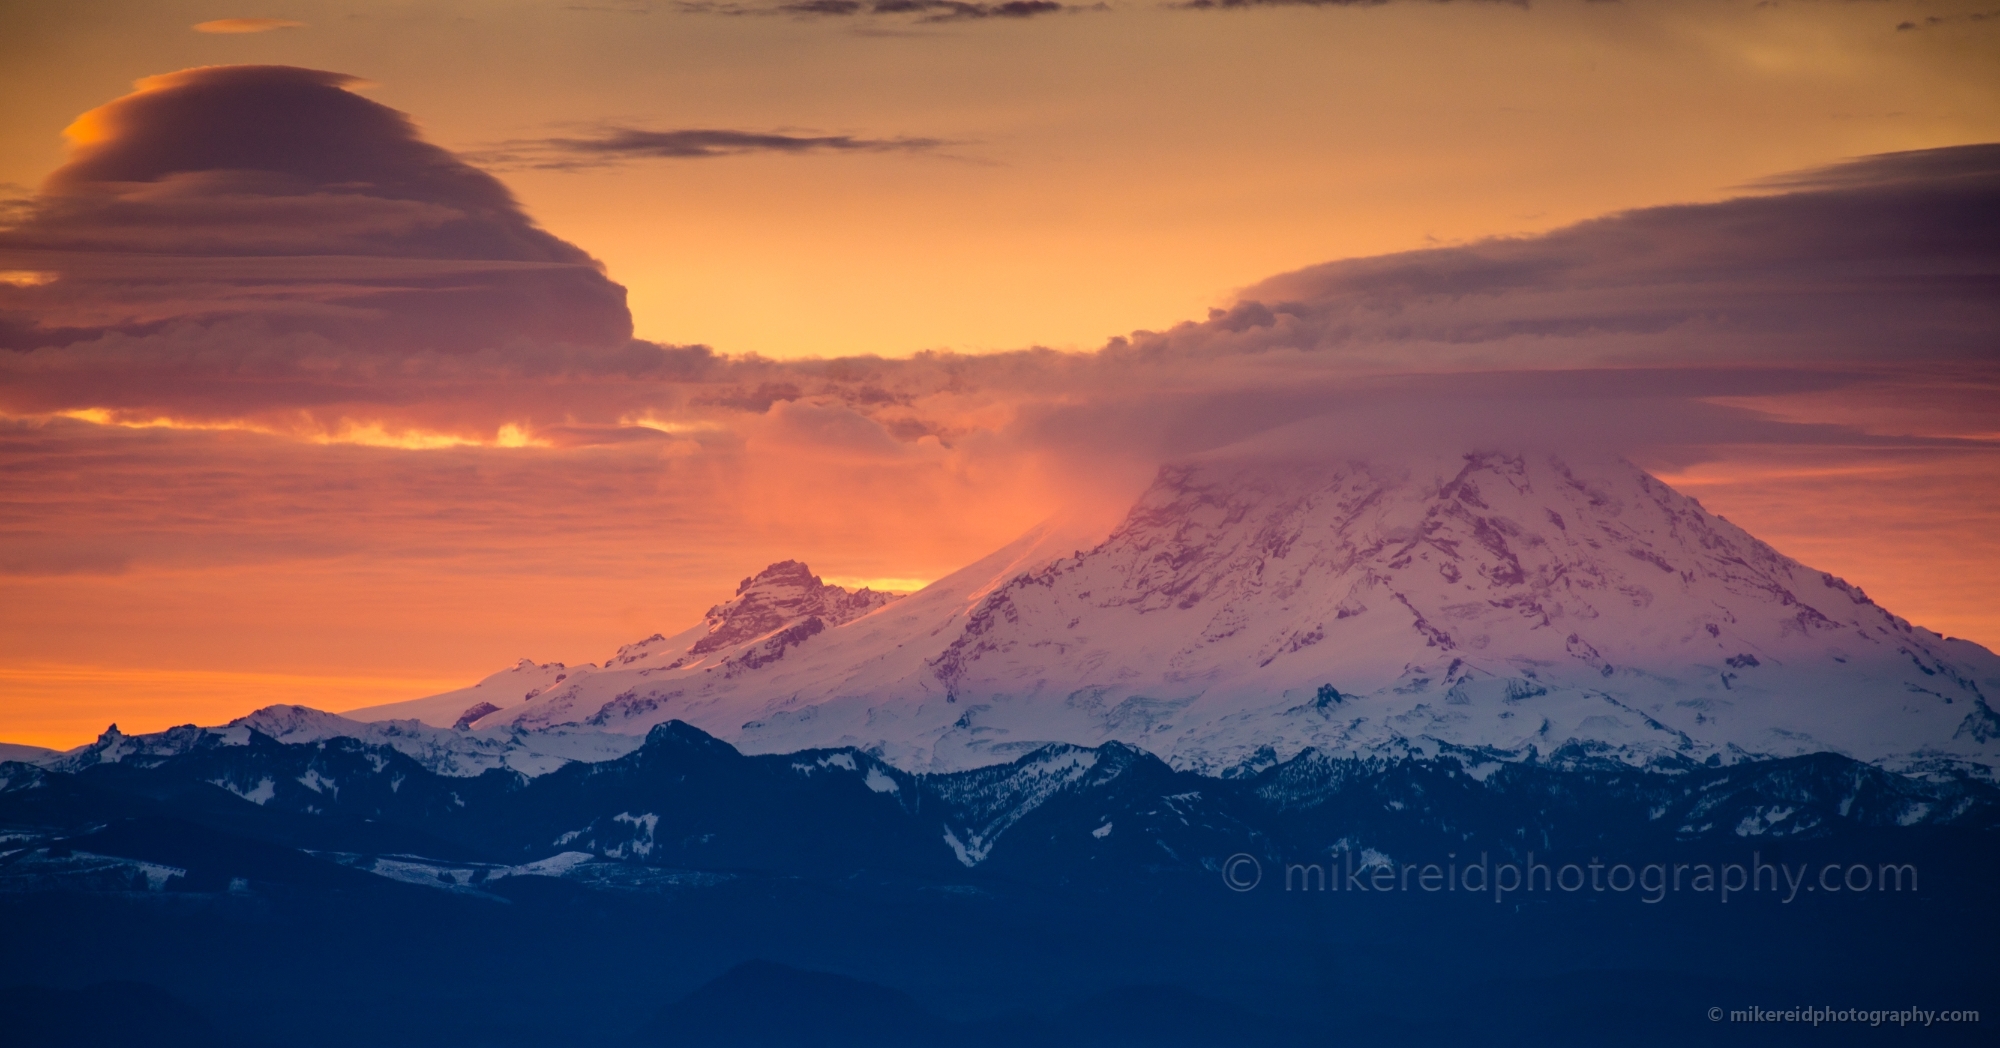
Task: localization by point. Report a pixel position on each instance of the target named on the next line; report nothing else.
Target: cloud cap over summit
(262, 249)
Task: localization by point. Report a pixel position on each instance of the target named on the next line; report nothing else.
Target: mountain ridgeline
(1062, 816)
(1248, 609)
(1494, 747)
(1100, 869)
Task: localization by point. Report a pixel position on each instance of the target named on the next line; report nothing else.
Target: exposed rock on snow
(1248, 608)
(510, 687)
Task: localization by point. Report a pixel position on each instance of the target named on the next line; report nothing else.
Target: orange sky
(1075, 176)
(1106, 170)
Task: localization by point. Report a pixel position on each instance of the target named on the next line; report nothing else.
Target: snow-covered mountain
(778, 607)
(441, 751)
(14, 751)
(456, 709)
(1250, 607)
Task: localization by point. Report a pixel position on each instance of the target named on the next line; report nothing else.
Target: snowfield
(1248, 608)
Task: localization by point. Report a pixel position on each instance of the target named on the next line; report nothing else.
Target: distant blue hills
(338, 893)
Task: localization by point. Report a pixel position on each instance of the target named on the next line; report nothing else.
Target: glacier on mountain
(1252, 606)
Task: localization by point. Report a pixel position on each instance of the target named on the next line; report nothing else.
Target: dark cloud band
(919, 11)
(1939, 21)
(929, 10)
(1236, 5)
(620, 144)
(334, 270)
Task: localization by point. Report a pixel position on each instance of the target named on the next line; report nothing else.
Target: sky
(349, 352)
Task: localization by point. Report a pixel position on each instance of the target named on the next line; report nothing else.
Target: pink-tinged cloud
(261, 247)
(228, 26)
(218, 194)
(1874, 261)
(245, 276)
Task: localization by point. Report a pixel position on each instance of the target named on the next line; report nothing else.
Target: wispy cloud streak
(1940, 21)
(912, 11)
(1229, 5)
(228, 26)
(616, 145)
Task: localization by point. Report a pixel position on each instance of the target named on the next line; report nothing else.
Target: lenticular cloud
(278, 194)
(261, 244)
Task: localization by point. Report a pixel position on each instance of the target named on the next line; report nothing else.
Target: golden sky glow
(200, 520)
(55, 704)
(1105, 170)
(366, 434)
(245, 25)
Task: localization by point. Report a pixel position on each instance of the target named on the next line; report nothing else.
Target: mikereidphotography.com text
(1649, 882)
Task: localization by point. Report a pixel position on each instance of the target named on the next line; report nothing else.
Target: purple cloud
(615, 145)
(279, 193)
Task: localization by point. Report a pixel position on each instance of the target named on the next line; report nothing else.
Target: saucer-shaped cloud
(215, 195)
(1878, 261)
(446, 384)
(262, 248)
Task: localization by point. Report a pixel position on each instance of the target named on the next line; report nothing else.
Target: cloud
(246, 25)
(334, 277)
(1219, 5)
(614, 145)
(918, 11)
(937, 10)
(327, 381)
(1934, 21)
(194, 303)
(1868, 262)
(1964, 168)
(222, 193)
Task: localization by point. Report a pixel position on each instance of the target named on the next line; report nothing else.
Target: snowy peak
(24, 753)
(464, 707)
(1283, 555)
(781, 605)
(440, 750)
(113, 747)
(1248, 608)
(783, 595)
(1495, 600)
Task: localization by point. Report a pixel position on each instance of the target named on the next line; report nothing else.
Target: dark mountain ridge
(1030, 902)
(1062, 815)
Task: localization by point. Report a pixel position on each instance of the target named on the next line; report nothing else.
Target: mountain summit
(780, 606)
(774, 609)
(1515, 605)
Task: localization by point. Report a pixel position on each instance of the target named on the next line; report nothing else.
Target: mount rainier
(1250, 607)
(1053, 768)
